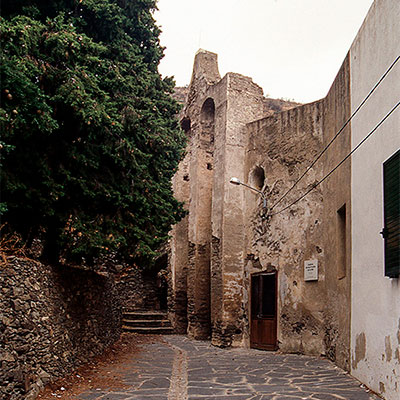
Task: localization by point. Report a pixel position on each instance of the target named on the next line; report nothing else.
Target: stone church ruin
(237, 272)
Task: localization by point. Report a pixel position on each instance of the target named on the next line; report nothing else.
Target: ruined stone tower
(238, 269)
(207, 247)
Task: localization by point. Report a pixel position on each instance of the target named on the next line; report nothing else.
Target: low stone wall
(51, 321)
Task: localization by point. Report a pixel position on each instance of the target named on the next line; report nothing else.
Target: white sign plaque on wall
(311, 270)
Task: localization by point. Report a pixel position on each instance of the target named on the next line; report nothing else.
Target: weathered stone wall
(140, 289)
(336, 222)
(244, 103)
(228, 235)
(51, 321)
(269, 154)
(191, 244)
(214, 253)
(180, 247)
(207, 248)
(313, 317)
(283, 146)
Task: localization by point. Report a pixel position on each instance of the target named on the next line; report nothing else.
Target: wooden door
(263, 325)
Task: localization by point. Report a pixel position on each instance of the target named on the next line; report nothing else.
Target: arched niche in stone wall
(207, 118)
(257, 177)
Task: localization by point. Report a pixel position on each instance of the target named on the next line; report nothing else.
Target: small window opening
(341, 242)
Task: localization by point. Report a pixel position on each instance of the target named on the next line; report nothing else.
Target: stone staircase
(150, 322)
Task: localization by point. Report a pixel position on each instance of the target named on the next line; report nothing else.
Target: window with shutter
(391, 230)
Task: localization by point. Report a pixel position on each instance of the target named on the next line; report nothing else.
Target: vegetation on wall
(89, 141)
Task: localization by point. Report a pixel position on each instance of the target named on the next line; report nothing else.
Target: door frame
(272, 346)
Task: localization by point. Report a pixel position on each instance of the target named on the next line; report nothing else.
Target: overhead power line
(341, 162)
(338, 133)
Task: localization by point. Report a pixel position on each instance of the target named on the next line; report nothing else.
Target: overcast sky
(291, 48)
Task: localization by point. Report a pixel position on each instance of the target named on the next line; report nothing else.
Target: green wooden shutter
(391, 231)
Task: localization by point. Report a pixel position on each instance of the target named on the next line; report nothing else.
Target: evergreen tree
(89, 141)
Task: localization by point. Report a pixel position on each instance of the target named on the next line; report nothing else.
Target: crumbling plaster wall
(313, 317)
(283, 145)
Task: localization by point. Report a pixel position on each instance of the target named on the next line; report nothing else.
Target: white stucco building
(375, 313)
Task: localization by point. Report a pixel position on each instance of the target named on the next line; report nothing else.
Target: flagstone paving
(177, 368)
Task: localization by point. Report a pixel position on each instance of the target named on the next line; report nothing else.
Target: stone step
(143, 315)
(146, 322)
(154, 330)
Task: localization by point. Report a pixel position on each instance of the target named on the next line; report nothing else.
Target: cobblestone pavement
(178, 368)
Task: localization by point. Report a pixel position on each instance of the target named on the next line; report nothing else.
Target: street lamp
(236, 181)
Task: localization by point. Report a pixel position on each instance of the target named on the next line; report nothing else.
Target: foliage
(90, 141)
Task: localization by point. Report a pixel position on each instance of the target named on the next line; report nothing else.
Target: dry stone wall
(139, 289)
(51, 321)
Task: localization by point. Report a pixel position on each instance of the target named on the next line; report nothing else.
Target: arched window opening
(257, 177)
(208, 111)
(207, 116)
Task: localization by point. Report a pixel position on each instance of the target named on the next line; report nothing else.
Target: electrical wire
(339, 132)
(341, 162)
